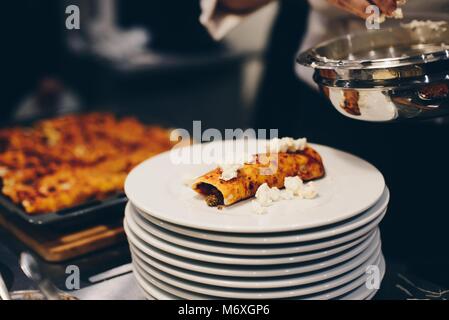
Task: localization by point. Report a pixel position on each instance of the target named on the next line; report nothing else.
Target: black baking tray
(91, 211)
(83, 214)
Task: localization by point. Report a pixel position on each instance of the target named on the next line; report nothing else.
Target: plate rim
(147, 284)
(208, 235)
(176, 250)
(202, 267)
(369, 244)
(148, 239)
(223, 248)
(335, 282)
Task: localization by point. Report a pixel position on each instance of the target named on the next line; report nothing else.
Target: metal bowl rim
(310, 58)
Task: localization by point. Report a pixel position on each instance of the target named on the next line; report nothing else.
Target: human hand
(358, 7)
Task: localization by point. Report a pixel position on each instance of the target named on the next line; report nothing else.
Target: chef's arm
(242, 6)
(357, 7)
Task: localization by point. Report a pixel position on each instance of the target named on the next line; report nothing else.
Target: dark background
(202, 80)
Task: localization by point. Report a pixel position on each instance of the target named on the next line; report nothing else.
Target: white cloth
(217, 22)
(119, 288)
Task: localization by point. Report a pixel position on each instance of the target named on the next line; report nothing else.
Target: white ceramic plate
(264, 284)
(256, 282)
(265, 249)
(362, 292)
(150, 290)
(350, 187)
(151, 241)
(369, 297)
(145, 281)
(361, 252)
(188, 290)
(262, 239)
(350, 286)
(218, 269)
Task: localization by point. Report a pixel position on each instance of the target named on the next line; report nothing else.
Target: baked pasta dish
(64, 162)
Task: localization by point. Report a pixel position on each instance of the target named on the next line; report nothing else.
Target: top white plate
(157, 187)
(282, 238)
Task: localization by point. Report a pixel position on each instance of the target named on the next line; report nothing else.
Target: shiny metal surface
(4, 293)
(32, 270)
(379, 49)
(384, 75)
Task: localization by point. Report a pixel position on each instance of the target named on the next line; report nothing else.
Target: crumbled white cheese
(287, 194)
(380, 19)
(229, 171)
(433, 25)
(275, 194)
(263, 195)
(286, 144)
(299, 144)
(309, 191)
(294, 184)
(398, 14)
(257, 207)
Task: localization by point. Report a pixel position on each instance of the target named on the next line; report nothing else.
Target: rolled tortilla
(265, 168)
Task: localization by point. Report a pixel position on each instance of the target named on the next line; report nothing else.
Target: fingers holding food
(388, 8)
(356, 7)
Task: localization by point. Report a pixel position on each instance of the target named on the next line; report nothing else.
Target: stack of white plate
(325, 248)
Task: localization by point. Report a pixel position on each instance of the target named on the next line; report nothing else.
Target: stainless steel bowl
(385, 75)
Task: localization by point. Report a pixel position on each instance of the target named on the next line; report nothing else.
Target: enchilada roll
(222, 188)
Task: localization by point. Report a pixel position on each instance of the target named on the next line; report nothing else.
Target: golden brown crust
(270, 169)
(63, 162)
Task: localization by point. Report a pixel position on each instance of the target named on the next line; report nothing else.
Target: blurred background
(149, 58)
(153, 59)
